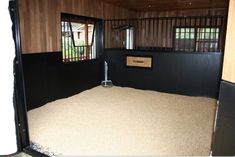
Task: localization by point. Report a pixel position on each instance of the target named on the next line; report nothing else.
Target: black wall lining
(47, 78)
(195, 74)
(224, 139)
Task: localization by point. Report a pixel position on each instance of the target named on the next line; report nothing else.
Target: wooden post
(86, 40)
(229, 53)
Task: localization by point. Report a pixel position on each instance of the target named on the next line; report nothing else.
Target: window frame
(196, 40)
(96, 41)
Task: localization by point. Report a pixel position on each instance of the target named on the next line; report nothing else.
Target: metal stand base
(107, 83)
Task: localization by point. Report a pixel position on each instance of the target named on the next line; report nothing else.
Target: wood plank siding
(160, 33)
(40, 20)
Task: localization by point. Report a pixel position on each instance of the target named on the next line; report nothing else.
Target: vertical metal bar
(167, 37)
(148, 36)
(189, 40)
(124, 33)
(83, 52)
(90, 48)
(221, 30)
(63, 40)
(76, 53)
(129, 23)
(171, 26)
(115, 36)
(87, 40)
(65, 45)
(19, 96)
(157, 33)
(195, 34)
(140, 34)
(205, 26)
(219, 44)
(71, 48)
(174, 34)
(111, 34)
(104, 34)
(107, 34)
(214, 49)
(135, 23)
(185, 26)
(71, 41)
(211, 43)
(199, 34)
(143, 33)
(119, 34)
(179, 41)
(79, 53)
(145, 37)
(162, 34)
(153, 32)
(68, 42)
(136, 33)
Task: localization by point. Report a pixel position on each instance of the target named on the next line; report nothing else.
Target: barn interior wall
(195, 74)
(167, 28)
(46, 77)
(40, 20)
(182, 13)
(149, 33)
(41, 33)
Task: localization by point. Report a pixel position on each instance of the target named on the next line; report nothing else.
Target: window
(207, 39)
(79, 38)
(185, 39)
(202, 39)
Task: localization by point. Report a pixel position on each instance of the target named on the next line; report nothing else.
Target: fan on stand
(106, 82)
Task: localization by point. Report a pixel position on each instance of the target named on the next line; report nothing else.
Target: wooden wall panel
(40, 20)
(167, 40)
(229, 56)
(177, 13)
(160, 34)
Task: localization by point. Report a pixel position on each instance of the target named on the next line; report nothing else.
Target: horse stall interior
(164, 59)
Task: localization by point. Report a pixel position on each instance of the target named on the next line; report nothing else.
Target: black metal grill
(193, 34)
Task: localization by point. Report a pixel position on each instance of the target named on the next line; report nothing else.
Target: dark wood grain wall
(40, 20)
(166, 26)
(159, 33)
(182, 13)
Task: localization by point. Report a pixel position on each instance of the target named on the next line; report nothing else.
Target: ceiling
(157, 5)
